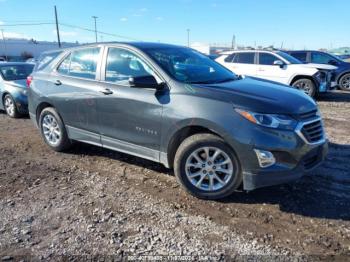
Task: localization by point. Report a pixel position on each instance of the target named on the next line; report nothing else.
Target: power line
(27, 24)
(100, 32)
(71, 26)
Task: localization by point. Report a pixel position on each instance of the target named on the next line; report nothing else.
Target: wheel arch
(341, 75)
(40, 108)
(298, 77)
(180, 135)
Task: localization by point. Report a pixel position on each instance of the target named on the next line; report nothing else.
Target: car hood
(260, 95)
(21, 83)
(320, 66)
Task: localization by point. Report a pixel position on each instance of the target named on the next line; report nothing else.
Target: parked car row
(280, 67)
(342, 72)
(13, 88)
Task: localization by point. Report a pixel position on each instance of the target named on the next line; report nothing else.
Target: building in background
(211, 49)
(23, 49)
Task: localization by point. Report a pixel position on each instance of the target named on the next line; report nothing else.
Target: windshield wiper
(225, 80)
(214, 82)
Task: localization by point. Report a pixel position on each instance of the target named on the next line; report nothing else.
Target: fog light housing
(265, 158)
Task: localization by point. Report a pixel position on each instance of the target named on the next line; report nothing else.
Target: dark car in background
(342, 73)
(13, 88)
(173, 105)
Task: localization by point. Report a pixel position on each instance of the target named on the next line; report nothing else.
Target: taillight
(29, 80)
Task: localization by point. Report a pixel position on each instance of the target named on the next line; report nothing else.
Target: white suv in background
(279, 67)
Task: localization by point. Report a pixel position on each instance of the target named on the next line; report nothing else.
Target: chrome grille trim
(301, 125)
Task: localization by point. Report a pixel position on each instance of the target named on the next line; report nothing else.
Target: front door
(266, 68)
(129, 117)
(243, 63)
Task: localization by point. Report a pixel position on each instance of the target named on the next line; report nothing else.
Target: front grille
(308, 115)
(313, 131)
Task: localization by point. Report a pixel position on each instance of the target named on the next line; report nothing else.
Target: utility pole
(57, 29)
(188, 37)
(233, 44)
(3, 39)
(95, 18)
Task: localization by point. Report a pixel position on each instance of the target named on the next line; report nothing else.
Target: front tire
(53, 130)
(10, 107)
(344, 82)
(306, 85)
(207, 167)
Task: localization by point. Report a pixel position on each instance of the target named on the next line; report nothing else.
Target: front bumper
(272, 177)
(294, 154)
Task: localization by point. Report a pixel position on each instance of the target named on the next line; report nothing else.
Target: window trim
(135, 52)
(69, 52)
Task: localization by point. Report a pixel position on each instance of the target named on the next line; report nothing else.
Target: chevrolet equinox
(175, 106)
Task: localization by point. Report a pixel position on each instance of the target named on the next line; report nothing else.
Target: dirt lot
(91, 201)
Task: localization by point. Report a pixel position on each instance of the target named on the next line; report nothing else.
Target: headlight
(269, 120)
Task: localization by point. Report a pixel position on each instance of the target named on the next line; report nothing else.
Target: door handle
(106, 91)
(261, 70)
(58, 83)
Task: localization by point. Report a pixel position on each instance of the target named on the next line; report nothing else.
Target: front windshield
(189, 66)
(289, 58)
(16, 72)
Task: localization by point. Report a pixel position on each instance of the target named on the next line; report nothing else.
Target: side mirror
(279, 63)
(145, 82)
(333, 62)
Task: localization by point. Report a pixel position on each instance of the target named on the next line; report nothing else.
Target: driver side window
(123, 64)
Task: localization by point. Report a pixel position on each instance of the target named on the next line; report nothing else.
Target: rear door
(243, 63)
(267, 70)
(74, 88)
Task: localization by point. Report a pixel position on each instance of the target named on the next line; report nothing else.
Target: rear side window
(15, 72)
(81, 63)
(300, 56)
(45, 60)
(244, 58)
(266, 59)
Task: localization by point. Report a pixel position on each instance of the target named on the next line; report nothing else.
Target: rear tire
(344, 82)
(10, 107)
(306, 85)
(207, 167)
(53, 130)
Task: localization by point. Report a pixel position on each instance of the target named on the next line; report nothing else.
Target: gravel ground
(95, 202)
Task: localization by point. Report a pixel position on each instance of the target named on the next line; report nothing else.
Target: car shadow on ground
(311, 196)
(335, 96)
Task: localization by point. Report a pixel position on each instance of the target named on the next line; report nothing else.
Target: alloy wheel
(345, 83)
(9, 106)
(209, 168)
(304, 86)
(51, 130)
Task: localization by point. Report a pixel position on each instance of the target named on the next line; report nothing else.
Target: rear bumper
(21, 103)
(264, 178)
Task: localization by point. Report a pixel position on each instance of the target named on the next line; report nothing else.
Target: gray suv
(175, 106)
